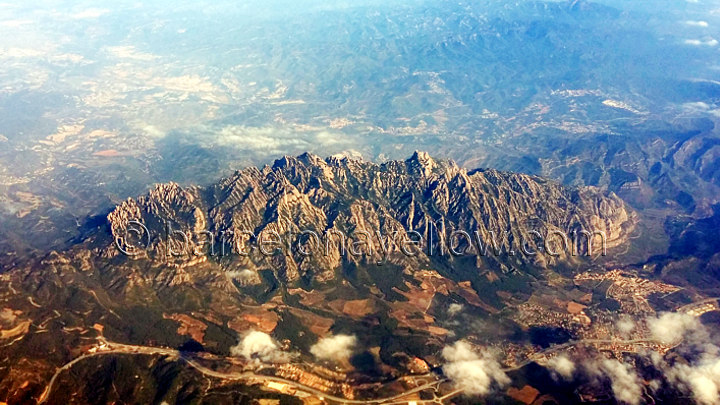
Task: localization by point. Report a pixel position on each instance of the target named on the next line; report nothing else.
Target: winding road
(119, 348)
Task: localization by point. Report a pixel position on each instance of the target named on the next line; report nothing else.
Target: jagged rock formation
(177, 289)
(378, 208)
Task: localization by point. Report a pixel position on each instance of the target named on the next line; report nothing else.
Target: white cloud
(329, 138)
(153, 131)
(258, 138)
(700, 107)
(259, 346)
(245, 276)
(474, 373)
(277, 140)
(703, 24)
(701, 375)
(697, 42)
(336, 348)
(671, 327)
(625, 326)
(697, 106)
(702, 379)
(563, 366)
(454, 309)
(625, 383)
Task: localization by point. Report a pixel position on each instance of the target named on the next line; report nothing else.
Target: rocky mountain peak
(422, 163)
(418, 196)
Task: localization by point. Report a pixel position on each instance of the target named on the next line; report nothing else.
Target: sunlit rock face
(433, 201)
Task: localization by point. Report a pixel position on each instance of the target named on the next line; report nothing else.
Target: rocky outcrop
(292, 217)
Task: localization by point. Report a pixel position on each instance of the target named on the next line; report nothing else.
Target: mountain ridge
(297, 194)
